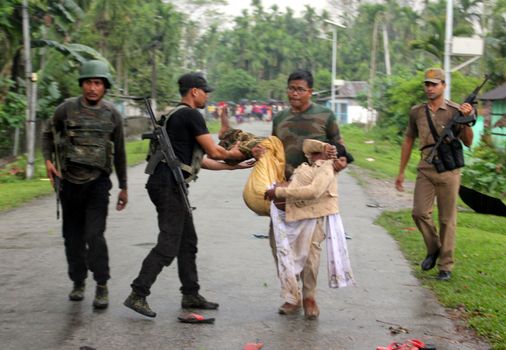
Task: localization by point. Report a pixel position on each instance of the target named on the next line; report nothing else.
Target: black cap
(193, 80)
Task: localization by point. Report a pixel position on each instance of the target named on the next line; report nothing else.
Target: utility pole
(334, 59)
(448, 47)
(372, 73)
(154, 73)
(31, 95)
(386, 49)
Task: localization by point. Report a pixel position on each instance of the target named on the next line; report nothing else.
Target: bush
(485, 171)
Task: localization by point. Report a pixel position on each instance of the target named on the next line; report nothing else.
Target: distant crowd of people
(246, 110)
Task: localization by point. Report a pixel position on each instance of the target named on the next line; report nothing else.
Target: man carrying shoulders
(303, 120)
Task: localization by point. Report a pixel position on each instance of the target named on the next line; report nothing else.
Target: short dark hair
(302, 74)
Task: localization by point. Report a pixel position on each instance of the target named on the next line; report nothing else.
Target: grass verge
(477, 290)
(15, 191)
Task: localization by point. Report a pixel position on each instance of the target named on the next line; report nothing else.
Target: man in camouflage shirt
(303, 120)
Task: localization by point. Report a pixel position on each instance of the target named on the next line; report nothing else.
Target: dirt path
(381, 192)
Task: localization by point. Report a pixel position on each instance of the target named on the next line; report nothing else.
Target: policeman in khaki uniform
(429, 183)
(80, 144)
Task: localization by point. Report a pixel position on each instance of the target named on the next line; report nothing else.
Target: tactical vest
(86, 137)
(155, 155)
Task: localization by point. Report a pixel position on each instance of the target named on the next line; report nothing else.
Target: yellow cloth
(267, 170)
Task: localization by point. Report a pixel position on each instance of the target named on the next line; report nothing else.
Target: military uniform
(319, 123)
(430, 184)
(89, 142)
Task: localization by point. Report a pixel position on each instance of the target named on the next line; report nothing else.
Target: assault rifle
(447, 134)
(57, 179)
(160, 135)
(57, 189)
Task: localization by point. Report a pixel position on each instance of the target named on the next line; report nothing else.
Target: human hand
(258, 151)
(330, 151)
(52, 172)
(340, 164)
(399, 183)
(222, 111)
(466, 109)
(235, 153)
(122, 199)
(270, 194)
(246, 164)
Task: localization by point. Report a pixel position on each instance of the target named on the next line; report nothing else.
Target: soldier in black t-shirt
(177, 238)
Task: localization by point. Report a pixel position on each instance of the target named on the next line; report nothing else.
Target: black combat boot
(101, 300)
(139, 304)
(77, 293)
(197, 301)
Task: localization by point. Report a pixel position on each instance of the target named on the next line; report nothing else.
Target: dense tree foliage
(150, 43)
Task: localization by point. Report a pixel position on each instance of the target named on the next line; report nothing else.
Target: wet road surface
(235, 269)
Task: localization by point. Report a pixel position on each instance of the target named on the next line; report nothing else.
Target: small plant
(485, 171)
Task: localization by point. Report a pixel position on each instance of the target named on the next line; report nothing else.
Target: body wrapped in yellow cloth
(270, 168)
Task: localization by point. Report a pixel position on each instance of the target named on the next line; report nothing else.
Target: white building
(348, 109)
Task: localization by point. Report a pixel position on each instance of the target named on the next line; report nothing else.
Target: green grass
(380, 156)
(15, 191)
(478, 284)
(136, 151)
(13, 194)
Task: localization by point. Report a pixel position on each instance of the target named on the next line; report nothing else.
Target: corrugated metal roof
(351, 89)
(499, 93)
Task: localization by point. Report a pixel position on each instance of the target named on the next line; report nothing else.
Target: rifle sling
(431, 126)
(158, 157)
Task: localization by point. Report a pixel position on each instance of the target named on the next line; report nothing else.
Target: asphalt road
(235, 269)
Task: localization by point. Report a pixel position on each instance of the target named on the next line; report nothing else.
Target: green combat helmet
(95, 69)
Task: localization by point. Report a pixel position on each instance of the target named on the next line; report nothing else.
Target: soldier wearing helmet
(81, 144)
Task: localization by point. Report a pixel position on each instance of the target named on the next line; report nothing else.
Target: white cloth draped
(293, 241)
(338, 261)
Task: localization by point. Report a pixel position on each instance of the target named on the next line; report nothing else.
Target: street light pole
(448, 47)
(334, 57)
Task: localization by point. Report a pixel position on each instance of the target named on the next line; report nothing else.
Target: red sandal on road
(194, 318)
(412, 344)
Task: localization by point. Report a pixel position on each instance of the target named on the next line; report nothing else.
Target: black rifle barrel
(161, 136)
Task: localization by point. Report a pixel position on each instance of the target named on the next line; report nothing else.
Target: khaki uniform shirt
(312, 192)
(419, 127)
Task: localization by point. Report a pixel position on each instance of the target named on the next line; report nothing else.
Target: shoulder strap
(167, 117)
(431, 125)
(183, 166)
(197, 154)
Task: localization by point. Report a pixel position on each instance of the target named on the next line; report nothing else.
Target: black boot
(139, 304)
(101, 300)
(430, 261)
(197, 301)
(77, 293)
